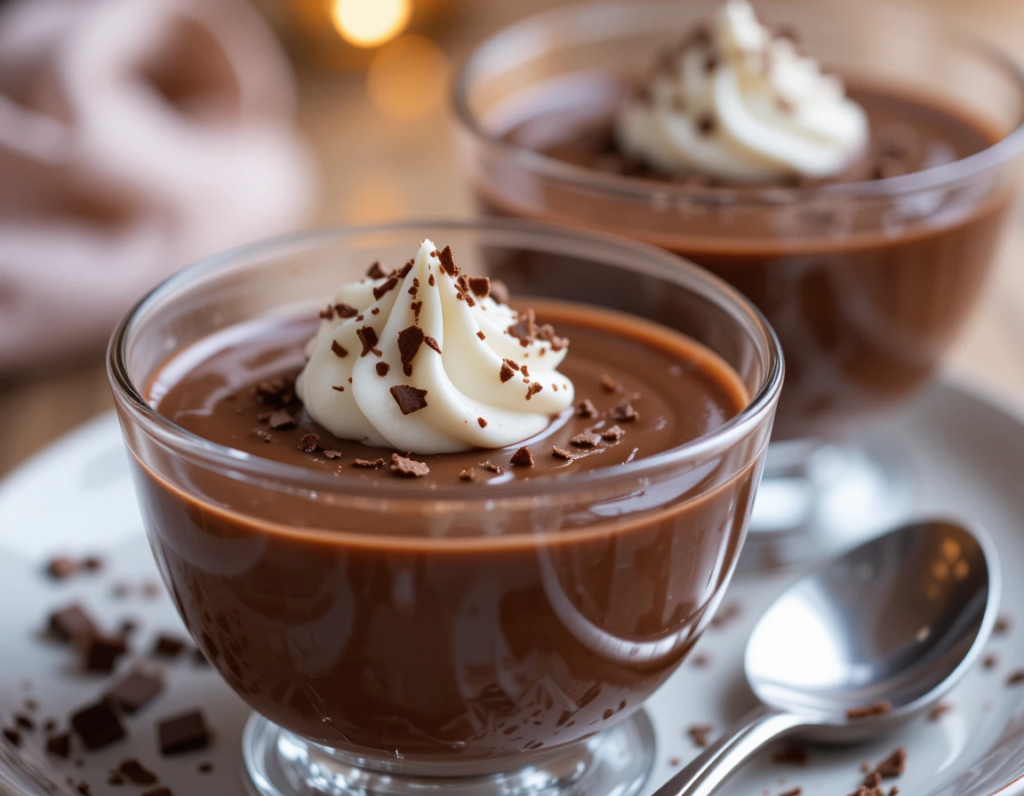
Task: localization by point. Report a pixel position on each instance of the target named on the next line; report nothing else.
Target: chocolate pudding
(408, 634)
(864, 316)
(866, 273)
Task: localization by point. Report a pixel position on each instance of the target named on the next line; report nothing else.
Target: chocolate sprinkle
(939, 711)
(382, 369)
(97, 725)
(793, 791)
(374, 464)
(338, 388)
(874, 709)
(533, 389)
(586, 409)
(448, 261)
(432, 343)
(469, 474)
(506, 372)
(376, 271)
(792, 754)
(368, 337)
(491, 467)
(481, 335)
(613, 434)
(1002, 626)
(524, 329)
(62, 567)
(522, 457)
(558, 453)
(1016, 677)
(345, 310)
(409, 342)
(481, 422)
(309, 443)
(281, 419)
(872, 780)
(338, 350)
(409, 399)
(480, 285)
(585, 440)
(499, 291)
(894, 765)
(402, 465)
(183, 733)
(333, 454)
(430, 280)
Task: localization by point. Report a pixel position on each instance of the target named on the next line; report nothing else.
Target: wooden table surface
(375, 168)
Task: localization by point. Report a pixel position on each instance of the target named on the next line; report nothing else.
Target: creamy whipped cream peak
(739, 103)
(424, 359)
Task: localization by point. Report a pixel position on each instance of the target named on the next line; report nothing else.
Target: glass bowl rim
(657, 263)
(639, 188)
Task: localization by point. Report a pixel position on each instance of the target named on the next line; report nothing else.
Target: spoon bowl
(861, 644)
(895, 622)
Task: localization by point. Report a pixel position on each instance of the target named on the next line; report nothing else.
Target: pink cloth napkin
(135, 137)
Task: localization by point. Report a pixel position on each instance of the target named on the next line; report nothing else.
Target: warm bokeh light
(368, 23)
(407, 78)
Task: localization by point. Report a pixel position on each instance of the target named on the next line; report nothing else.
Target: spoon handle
(705, 774)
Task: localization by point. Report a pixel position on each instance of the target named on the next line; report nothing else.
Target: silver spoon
(885, 630)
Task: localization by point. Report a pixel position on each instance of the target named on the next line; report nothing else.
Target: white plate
(966, 454)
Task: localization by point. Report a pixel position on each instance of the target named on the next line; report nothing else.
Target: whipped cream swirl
(736, 102)
(425, 360)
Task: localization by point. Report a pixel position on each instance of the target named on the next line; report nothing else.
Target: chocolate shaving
(525, 328)
(401, 465)
(432, 343)
(204, 768)
(726, 614)
(608, 384)
(491, 467)
(481, 422)
(710, 63)
(338, 350)
(939, 711)
(281, 419)
(368, 337)
(161, 791)
(374, 464)
(990, 661)
(625, 412)
(481, 335)
(792, 754)
(506, 372)
(403, 272)
(24, 722)
(585, 440)
(448, 261)
(559, 453)
(97, 725)
(13, 737)
(872, 780)
(1016, 677)
(469, 474)
(309, 443)
(409, 399)
(416, 306)
(480, 285)
(430, 280)
(522, 457)
(62, 567)
(136, 689)
(533, 389)
(333, 454)
(136, 773)
(382, 369)
(706, 124)
(328, 313)
(894, 765)
(793, 791)
(500, 292)
(387, 287)
(376, 271)
(586, 408)
(699, 734)
(409, 342)
(183, 733)
(345, 310)
(338, 388)
(874, 709)
(613, 434)
(1002, 626)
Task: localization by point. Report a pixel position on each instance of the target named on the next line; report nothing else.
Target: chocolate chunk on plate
(59, 745)
(98, 725)
(183, 733)
(136, 689)
(101, 653)
(167, 646)
(72, 624)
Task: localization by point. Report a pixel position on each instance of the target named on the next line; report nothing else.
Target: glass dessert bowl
(458, 620)
(867, 274)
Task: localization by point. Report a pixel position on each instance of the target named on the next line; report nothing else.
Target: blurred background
(139, 135)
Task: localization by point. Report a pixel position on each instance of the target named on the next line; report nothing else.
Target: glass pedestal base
(615, 763)
(817, 499)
